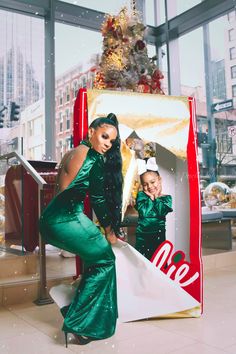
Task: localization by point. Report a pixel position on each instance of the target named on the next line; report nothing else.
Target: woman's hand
(111, 237)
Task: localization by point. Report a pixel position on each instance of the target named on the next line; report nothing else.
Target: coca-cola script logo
(174, 265)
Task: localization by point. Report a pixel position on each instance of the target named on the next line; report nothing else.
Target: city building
(67, 86)
(21, 59)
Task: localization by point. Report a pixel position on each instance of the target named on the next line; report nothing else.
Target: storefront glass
(75, 60)
(155, 12)
(177, 7)
(22, 84)
(106, 6)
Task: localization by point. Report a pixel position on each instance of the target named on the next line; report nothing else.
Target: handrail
(34, 174)
(43, 297)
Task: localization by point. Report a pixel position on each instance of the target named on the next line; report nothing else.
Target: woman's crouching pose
(94, 167)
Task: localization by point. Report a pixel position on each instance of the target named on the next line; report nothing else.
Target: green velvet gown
(93, 311)
(150, 232)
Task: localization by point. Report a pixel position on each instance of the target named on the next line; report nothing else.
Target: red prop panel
(187, 273)
(21, 206)
(80, 131)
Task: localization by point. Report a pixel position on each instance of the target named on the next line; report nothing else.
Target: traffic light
(15, 112)
(1, 120)
(2, 109)
(202, 138)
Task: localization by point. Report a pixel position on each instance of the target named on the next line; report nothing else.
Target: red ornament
(157, 75)
(143, 80)
(139, 45)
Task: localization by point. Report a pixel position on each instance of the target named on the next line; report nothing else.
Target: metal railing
(43, 297)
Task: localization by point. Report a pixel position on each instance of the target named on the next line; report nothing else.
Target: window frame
(66, 13)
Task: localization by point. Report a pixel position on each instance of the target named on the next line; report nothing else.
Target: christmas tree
(125, 64)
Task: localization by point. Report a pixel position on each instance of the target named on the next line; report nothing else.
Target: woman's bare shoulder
(76, 159)
(70, 166)
(80, 153)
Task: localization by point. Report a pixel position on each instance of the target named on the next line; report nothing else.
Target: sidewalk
(29, 329)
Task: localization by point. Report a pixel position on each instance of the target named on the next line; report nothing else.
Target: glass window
(74, 66)
(59, 150)
(60, 98)
(151, 51)
(61, 126)
(22, 76)
(106, 6)
(231, 34)
(37, 152)
(179, 6)
(30, 128)
(67, 93)
(217, 32)
(60, 122)
(68, 143)
(67, 119)
(224, 144)
(234, 90)
(233, 72)
(155, 14)
(192, 78)
(162, 64)
(75, 88)
(69, 56)
(192, 71)
(222, 53)
(232, 53)
(38, 126)
(231, 16)
(67, 124)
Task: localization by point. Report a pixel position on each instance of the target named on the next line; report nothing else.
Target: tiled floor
(28, 329)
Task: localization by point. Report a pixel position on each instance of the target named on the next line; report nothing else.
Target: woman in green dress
(152, 207)
(94, 167)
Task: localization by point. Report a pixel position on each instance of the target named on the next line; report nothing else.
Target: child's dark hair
(113, 172)
(156, 172)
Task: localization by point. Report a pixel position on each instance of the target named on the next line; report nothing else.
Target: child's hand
(158, 191)
(149, 195)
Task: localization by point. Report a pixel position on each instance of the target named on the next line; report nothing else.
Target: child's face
(151, 182)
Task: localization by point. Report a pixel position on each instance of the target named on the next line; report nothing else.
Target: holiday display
(125, 64)
(216, 194)
(169, 285)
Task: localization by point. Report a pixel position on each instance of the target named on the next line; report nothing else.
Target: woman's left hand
(111, 237)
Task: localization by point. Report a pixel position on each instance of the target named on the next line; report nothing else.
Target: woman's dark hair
(113, 172)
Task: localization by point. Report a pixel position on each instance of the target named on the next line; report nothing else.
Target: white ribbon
(144, 166)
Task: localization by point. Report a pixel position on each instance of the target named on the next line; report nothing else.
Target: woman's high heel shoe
(81, 340)
(66, 339)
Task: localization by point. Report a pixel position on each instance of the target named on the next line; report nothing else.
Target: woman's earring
(89, 142)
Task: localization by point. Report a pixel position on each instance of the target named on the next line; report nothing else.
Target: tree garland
(125, 64)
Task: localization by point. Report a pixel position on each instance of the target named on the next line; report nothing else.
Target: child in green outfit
(152, 207)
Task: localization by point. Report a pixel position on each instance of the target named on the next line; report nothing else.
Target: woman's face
(102, 137)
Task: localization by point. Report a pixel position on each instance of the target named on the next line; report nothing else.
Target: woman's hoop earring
(89, 142)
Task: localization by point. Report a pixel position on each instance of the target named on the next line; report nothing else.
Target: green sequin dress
(151, 230)
(93, 311)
